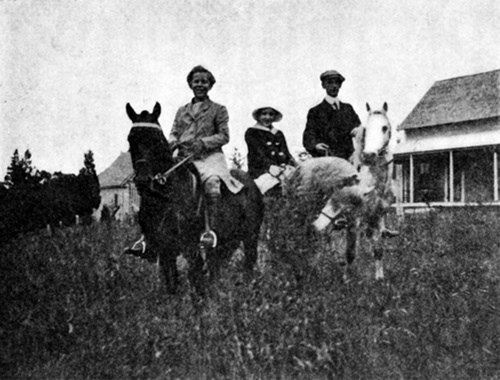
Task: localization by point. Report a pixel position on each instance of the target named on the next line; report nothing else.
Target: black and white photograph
(249, 189)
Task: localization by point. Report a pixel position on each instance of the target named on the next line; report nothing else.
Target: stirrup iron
(208, 239)
(139, 245)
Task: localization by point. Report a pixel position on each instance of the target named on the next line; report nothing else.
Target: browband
(147, 125)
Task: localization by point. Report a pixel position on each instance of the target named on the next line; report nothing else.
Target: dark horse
(172, 215)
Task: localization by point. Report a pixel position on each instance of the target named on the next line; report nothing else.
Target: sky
(68, 67)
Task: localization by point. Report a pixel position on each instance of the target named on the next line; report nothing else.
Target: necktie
(335, 106)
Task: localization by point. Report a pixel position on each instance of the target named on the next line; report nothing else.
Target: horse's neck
(377, 176)
(189, 183)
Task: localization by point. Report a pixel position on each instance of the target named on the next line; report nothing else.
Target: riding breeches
(212, 186)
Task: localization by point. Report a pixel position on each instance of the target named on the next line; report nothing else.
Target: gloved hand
(197, 148)
(322, 148)
(174, 145)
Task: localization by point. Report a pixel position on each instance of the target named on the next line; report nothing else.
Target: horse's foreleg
(251, 254)
(377, 251)
(379, 268)
(168, 266)
(351, 245)
(351, 240)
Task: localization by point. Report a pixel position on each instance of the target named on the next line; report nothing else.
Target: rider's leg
(212, 196)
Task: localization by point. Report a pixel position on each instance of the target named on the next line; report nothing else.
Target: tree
(237, 160)
(88, 163)
(20, 171)
(89, 188)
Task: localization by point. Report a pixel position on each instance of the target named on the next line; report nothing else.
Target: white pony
(360, 191)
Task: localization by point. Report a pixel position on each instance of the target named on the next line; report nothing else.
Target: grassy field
(74, 308)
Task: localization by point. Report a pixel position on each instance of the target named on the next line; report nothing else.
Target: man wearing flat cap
(330, 123)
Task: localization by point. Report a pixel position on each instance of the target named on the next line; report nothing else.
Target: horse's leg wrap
(378, 253)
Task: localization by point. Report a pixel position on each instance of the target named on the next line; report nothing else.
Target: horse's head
(375, 135)
(149, 148)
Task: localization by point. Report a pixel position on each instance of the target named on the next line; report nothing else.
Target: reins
(161, 178)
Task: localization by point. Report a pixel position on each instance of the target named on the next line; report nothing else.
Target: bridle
(381, 153)
(159, 178)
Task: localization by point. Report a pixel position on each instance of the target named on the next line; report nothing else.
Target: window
(473, 176)
(431, 177)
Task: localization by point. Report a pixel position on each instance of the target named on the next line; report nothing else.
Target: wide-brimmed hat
(277, 118)
(330, 74)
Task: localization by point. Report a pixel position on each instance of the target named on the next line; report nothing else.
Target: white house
(449, 145)
(118, 191)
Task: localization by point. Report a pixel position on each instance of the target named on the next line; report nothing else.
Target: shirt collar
(330, 100)
(262, 128)
(207, 99)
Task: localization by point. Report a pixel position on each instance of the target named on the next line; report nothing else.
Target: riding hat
(332, 73)
(277, 118)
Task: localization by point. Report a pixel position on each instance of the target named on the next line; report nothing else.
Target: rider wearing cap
(330, 123)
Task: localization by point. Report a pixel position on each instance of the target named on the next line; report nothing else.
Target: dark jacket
(332, 127)
(266, 148)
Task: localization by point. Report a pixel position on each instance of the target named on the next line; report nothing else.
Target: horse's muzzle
(369, 158)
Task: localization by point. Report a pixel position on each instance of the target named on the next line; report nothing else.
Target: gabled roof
(456, 100)
(119, 173)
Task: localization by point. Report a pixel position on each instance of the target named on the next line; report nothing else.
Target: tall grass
(74, 308)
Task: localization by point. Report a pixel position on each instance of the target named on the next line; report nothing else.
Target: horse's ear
(131, 113)
(368, 107)
(157, 110)
(385, 107)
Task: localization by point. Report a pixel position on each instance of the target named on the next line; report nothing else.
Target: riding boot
(209, 238)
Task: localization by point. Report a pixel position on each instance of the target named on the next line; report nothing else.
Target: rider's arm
(312, 134)
(220, 136)
(175, 132)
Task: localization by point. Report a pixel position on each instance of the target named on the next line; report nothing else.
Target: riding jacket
(206, 122)
(332, 127)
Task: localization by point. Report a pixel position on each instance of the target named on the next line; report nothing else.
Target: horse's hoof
(386, 233)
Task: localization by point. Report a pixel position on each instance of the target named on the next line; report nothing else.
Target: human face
(332, 86)
(200, 84)
(266, 117)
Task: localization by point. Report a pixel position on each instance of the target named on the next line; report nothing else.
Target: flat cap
(331, 73)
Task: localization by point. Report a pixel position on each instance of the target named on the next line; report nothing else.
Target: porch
(448, 178)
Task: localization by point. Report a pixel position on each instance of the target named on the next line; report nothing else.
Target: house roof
(118, 173)
(456, 100)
